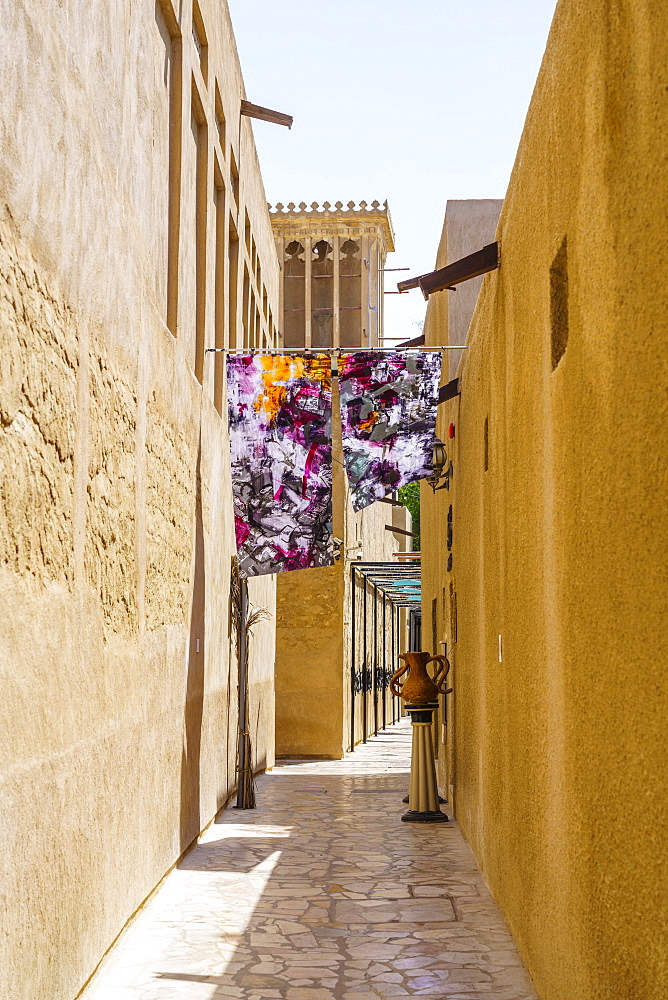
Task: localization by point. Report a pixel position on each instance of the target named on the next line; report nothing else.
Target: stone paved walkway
(321, 893)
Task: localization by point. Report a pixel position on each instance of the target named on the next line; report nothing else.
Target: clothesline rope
(280, 425)
(332, 350)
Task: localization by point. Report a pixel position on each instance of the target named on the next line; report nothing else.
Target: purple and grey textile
(280, 414)
(388, 410)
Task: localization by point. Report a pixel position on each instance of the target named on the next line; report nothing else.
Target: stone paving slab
(321, 893)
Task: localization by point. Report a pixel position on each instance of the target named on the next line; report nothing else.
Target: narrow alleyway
(321, 893)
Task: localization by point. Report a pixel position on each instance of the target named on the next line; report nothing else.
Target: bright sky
(414, 102)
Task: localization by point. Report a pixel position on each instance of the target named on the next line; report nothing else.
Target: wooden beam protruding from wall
(265, 114)
(400, 531)
(449, 391)
(416, 342)
(472, 266)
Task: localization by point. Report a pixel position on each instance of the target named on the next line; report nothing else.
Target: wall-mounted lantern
(441, 467)
(355, 551)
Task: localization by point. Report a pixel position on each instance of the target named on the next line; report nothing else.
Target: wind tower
(331, 295)
(332, 262)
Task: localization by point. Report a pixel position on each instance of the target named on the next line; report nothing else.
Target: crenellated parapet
(301, 221)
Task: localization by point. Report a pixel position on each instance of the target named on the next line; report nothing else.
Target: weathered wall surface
(118, 714)
(560, 523)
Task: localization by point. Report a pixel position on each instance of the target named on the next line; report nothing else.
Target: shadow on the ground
(333, 896)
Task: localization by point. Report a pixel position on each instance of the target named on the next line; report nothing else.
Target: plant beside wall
(410, 497)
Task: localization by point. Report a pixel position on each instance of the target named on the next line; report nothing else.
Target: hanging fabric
(388, 411)
(280, 415)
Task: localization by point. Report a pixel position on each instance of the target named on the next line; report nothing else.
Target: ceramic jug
(419, 687)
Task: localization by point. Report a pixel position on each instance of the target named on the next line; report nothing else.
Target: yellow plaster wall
(118, 732)
(433, 539)
(560, 547)
(309, 657)
(468, 226)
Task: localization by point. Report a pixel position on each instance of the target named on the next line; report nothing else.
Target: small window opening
(559, 303)
(485, 444)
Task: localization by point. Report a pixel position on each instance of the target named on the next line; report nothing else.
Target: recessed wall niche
(294, 288)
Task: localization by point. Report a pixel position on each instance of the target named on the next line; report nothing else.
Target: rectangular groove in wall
(294, 292)
(200, 40)
(559, 303)
(244, 310)
(234, 173)
(350, 293)
(219, 297)
(220, 122)
(232, 283)
(174, 180)
(322, 294)
(201, 173)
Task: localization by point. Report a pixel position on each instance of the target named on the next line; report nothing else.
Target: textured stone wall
(560, 521)
(110, 531)
(170, 480)
(117, 656)
(40, 360)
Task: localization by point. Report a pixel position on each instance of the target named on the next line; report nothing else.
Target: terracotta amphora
(419, 687)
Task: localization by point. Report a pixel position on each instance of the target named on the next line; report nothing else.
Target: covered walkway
(320, 893)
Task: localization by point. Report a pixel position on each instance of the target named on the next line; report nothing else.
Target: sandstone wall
(119, 677)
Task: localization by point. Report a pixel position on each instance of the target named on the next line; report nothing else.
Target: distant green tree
(410, 497)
